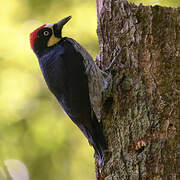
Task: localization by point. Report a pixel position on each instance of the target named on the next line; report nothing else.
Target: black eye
(46, 33)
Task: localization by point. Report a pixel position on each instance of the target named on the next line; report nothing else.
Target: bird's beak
(59, 25)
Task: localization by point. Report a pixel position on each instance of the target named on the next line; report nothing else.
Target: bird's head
(47, 35)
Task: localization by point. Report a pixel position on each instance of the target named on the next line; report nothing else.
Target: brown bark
(140, 118)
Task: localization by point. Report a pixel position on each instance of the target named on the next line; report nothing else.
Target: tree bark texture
(140, 118)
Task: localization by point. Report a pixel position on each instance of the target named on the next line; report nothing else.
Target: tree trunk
(140, 119)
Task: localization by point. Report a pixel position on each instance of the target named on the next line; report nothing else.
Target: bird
(74, 78)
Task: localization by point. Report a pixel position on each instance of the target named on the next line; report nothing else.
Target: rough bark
(140, 118)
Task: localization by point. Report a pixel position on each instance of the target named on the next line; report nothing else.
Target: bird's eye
(46, 33)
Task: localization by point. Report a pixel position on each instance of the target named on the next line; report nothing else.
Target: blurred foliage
(169, 3)
(33, 127)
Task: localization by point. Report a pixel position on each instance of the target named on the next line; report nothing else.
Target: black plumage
(65, 73)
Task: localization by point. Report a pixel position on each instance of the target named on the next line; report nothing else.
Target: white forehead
(49, 25)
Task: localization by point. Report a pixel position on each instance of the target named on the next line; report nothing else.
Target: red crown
(33, 35)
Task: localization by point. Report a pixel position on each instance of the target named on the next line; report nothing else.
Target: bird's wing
(96, 81)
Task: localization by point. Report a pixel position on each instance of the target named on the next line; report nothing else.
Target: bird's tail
(98, 141)
(96, 138)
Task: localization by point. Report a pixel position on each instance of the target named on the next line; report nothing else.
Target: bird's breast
(64, 72)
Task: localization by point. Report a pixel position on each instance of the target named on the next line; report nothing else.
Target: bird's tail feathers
(98, 141)
(99, 148)
(96, 138)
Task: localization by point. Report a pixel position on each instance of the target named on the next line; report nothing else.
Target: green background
(33, 127)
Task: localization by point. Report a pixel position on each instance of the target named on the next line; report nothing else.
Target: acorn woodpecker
(74, 78)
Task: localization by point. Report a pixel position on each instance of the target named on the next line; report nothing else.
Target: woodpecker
(75, 80)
